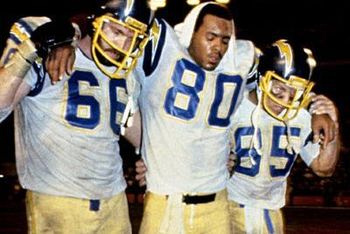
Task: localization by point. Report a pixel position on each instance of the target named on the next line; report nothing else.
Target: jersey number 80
(188, 81)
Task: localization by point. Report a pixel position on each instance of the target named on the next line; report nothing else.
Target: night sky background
(323, 26)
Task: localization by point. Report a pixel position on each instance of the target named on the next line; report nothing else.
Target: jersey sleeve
(309, 150)
(154, 47)
(19, 32)
(244, 55)
(133, 88)
(253, 75)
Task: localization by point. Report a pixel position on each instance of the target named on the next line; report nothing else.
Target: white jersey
(186, 116)
(67, 134)
(261, 182)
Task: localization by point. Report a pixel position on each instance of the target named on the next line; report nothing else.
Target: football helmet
(292, 65)
(120, 33)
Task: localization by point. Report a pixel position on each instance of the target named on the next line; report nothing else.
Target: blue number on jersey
(219, 96)
(244, 154)
(185, 70)
(89, 104)
(116, 106)
(76, 101)
(276, 151)
(181, 67)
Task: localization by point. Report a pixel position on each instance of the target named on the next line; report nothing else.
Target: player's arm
(133, 131)
(252, 77)
(56, 42)
(231, 163)
(133, 135)
(131, 124)
(12, 90)
(140, 172)
(30, 38)
(16, 60)
(61, 57)
(324, 165)
(60, 62)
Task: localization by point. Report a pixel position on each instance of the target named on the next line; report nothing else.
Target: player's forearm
(12, 91)
(324, 165)
(8, 88)
(9, 85)
(14, 70)
(133, 132)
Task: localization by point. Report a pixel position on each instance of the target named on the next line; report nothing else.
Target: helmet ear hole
(291, 65)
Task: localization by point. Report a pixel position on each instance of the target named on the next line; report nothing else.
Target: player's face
(119, 36)
(210, 42)
(281, 91)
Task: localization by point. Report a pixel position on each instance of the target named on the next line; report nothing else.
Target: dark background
(323, 26)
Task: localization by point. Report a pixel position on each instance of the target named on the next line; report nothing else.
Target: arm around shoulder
(12, 91)
(325, 163)
(133, 132)
(16, 60)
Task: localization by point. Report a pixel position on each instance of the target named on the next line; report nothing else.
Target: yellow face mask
(116, 45)
(299, 95)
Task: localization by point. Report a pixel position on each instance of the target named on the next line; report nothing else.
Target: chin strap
(127, 118)
(290, 146)
(254, 143)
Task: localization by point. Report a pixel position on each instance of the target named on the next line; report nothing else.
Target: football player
(189, 92)
(67, 134)
(267, 144)
(191, 83)
(257, 189)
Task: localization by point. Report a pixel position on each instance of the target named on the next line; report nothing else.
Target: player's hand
(140, 172)
(323, 105)
(231, 163)
(53, 34)
(55, 42)
(59, 62)
(324, 129)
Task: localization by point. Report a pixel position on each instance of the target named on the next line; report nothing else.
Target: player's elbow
(4, 112)
(323, 168)
(323, 174)
(325, 171)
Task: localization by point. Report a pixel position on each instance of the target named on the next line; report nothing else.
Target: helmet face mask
(120, 35)
(287, 96)
(285, 72)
